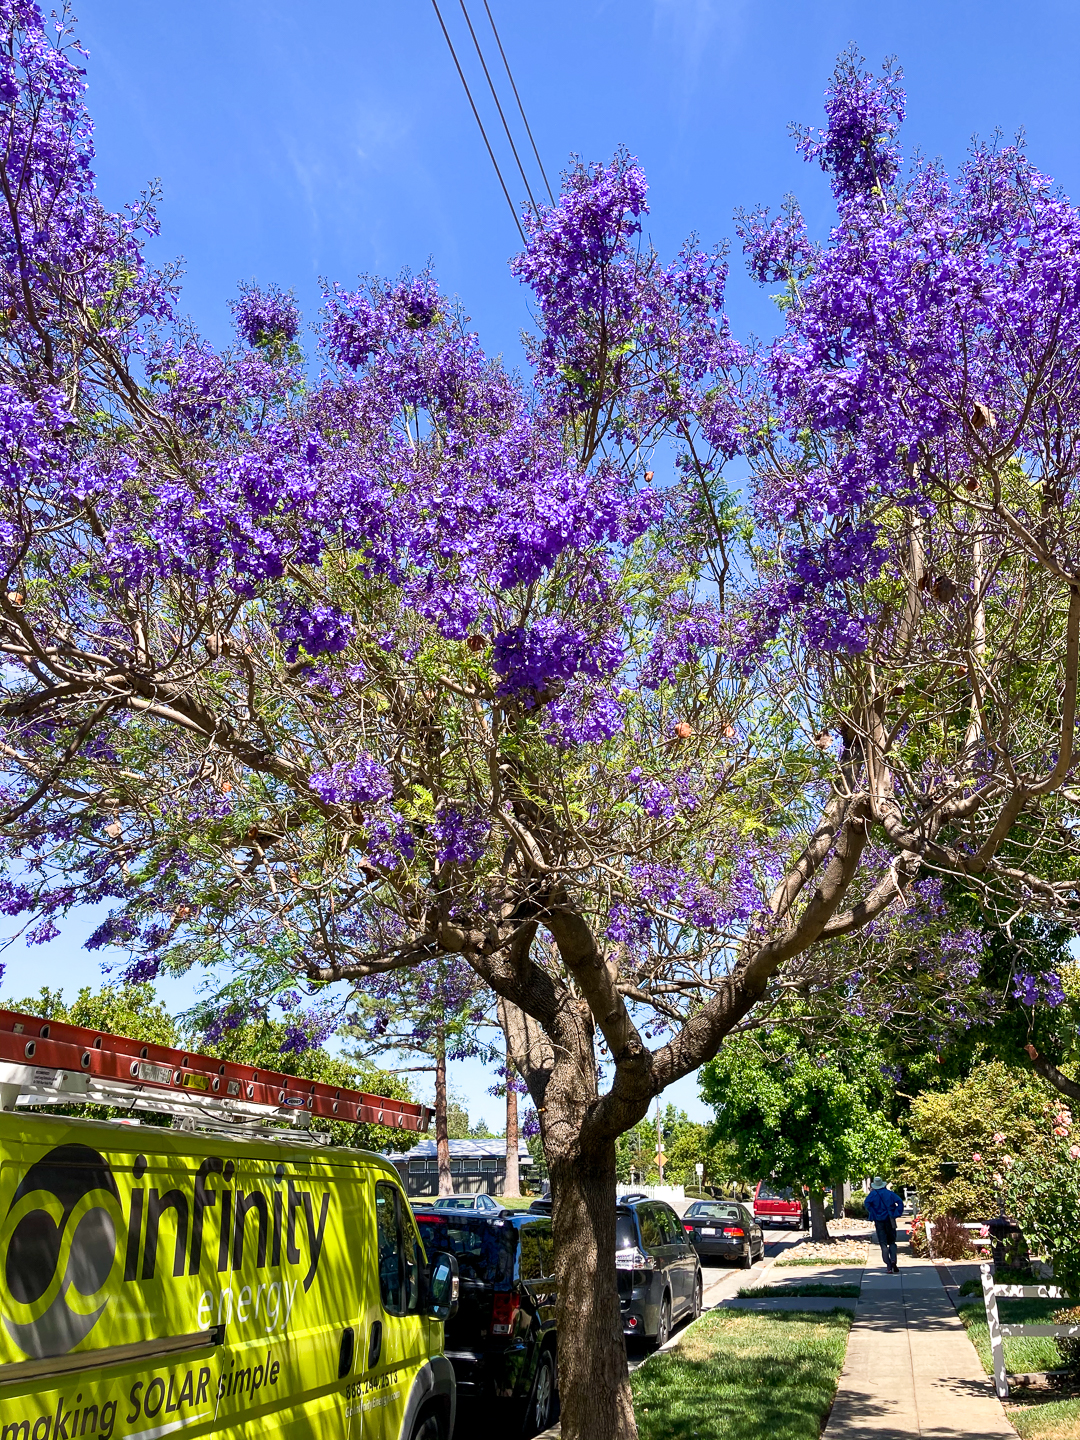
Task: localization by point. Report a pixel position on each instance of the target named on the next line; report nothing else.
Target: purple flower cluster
(459, 838)
(858, 148)
(266, 318)
(1031, 988)
(363, 782)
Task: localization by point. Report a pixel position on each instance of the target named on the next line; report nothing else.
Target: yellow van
(157, 1281)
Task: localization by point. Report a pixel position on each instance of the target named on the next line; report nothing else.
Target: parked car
(659, 1270)
(780, 1205)
(501, 1342)
(724, 1230)
(542, 1206)
(483, 1204)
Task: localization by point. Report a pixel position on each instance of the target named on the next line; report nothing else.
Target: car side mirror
(442, 1286)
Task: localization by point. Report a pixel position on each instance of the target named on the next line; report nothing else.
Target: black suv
(501, 1341)
(659, 1271)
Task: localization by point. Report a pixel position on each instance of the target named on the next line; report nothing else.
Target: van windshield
(484, 1248)
(766, 1194)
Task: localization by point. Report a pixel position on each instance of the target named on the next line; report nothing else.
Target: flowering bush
(979, 1125)
(1043, 1193)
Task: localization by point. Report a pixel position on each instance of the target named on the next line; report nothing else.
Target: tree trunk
(513, 1183)
(839, 1195)
(442, 1133)
(819, 1230)
(594, 1383)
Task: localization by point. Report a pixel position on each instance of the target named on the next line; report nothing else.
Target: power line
(517, 97)
(479, 122)
(502, 117)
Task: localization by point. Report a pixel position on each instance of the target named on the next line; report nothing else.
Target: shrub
(855, 1207)
(996, 1112)
(950, 1239)
(1069, 1346)
(1043, 1192)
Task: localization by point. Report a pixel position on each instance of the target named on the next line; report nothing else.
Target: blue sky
(300, 140)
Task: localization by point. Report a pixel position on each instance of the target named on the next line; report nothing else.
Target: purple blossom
(460, 838)
(266, 317)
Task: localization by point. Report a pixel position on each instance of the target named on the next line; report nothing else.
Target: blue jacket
(881, 1204)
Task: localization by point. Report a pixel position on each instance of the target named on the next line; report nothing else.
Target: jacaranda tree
(323, 674)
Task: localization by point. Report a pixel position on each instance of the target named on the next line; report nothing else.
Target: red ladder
(46, 1062)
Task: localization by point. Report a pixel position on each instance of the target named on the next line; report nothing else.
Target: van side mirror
(442, 1286)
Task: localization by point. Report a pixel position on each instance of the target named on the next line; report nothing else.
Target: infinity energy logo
(58, 1243)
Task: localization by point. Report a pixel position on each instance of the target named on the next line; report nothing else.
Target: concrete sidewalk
(910, 1368)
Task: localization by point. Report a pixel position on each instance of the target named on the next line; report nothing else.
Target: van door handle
(345, 1354)
(375, 1345)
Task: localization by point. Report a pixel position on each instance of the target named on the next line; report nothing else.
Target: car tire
(695, 1304)
(663, 1324)
(428, 1427)
(543, 1404)
(746, 1260)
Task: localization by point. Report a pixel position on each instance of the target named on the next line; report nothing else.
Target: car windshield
(625, 1232)
(716, 1212)
(484, 1248)
(766, 1194)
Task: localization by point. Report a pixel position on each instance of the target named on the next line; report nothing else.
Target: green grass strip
(744, 1375)
(1054, 1420)
(807, 1287)
(785, 1264)
(1023, 1354)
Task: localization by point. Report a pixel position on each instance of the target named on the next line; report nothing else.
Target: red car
(780, 1205)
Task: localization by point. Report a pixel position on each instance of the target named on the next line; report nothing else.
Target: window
(489, 1166)
(650, 1218)
(417, 1167)
(625, 1232)
(673, 1231)
(484, 1248)
(471, 1166)
(455, 1167)
(399, 1258)
(433, 1165)
(537, 1251)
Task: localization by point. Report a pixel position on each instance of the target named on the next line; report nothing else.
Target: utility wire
(483, 132)
(517, 97)
(502, 117)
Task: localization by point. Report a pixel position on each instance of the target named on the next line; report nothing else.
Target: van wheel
(540, 1411)
(663, 1325)
(427, 1428)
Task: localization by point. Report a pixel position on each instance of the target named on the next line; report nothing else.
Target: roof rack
(46, 1062)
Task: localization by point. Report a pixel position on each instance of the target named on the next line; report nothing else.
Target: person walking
(882, 1206)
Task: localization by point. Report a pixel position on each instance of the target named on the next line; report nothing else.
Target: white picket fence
(998, 1331)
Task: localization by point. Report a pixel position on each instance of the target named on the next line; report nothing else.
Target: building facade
(476, 1167)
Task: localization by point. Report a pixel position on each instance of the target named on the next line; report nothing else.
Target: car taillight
(689, 1229)
(504, 1310)
(734, 1230)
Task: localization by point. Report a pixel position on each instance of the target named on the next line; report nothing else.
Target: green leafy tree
(963, 1140)
(133, 1011)
(800, 1118)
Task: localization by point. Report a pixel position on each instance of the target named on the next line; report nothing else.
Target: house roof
(463, 1150)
